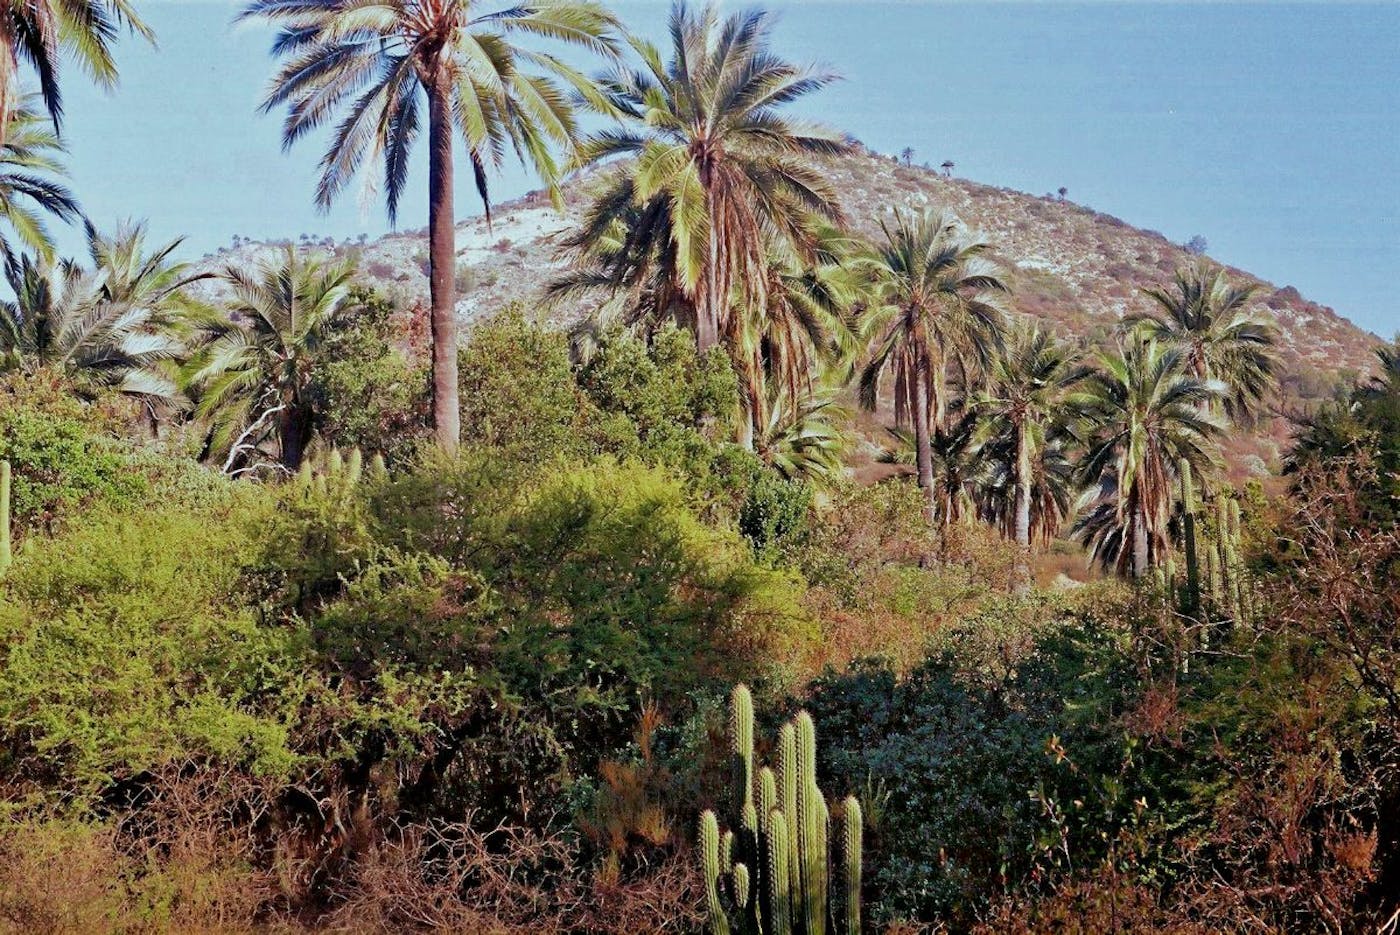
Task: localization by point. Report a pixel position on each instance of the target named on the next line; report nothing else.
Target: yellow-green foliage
(125, 643)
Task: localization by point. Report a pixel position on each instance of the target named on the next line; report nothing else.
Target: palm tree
(251, 377)
(805, 439)
(120, 325)
(1051, 483)
(1024, 409)
(935, 294)
(801, 331)
(1207, 317)
(956, 463)
(29, 186)
(377, 59)
(1145, 414)
(42, 32)
(719, 173)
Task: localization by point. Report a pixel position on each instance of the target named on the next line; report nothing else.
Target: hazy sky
(1272, 130)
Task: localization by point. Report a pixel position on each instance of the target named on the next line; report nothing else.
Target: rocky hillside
(1070, 265)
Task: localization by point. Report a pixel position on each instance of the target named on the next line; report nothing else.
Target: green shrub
(519, 395)
(126, 646)
(62, 453)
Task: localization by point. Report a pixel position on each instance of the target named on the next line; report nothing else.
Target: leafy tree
(43, 32)
(1025, 410)
(370, 393)
(252, 375)
(936, 296)
(30, 186)
(476, 79)
(1207, 317)
(718, 172)
(1145, 414)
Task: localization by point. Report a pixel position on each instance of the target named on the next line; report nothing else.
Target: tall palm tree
(42, 32)
(1207, 317)
(30, 171)
(252, 375)
(377, 60)
(1146, 412)
(121, 324)
(956, 463)
(1051, 482)
(936, 294)
(718, 172)
(800, 333)
(1025, 407)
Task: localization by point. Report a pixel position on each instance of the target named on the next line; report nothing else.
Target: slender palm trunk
(1023, 510)
(9, 81)
(923, 450)
(1023, 488)
(442, 261)
(1140, 549)
(707, 311)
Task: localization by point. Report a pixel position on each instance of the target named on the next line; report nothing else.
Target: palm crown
(42, 32)
(252, 374)
(120, 324)
(1207, 317)
(719, 173)
(29, 186)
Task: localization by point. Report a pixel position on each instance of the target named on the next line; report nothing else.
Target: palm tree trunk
(292, 434)
(707, 312)
(1140, 553)
(1023, 511)
(442, 261)
(1023, 488)
(923, 450)
(9, 80)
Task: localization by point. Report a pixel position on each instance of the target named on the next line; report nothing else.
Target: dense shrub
(62, 451)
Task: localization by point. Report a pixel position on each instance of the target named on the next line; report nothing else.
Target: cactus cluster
(340, 468)
(773, 874)
(1214, 562)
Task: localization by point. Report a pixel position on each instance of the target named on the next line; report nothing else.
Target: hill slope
(1069, 265)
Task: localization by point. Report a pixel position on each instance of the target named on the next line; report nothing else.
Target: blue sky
(1272, 130)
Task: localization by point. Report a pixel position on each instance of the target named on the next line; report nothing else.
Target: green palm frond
(1207, 318)
(1143, 413)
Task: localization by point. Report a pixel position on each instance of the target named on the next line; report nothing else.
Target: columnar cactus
(1191, 595)
(709, 861)
(779, 879)
(851, 821)
(5, 554)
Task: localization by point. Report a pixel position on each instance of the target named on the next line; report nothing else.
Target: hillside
(1070, 265)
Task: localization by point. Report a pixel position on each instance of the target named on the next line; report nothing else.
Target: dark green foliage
(968, 793)
(370, 394)
(774, 515)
